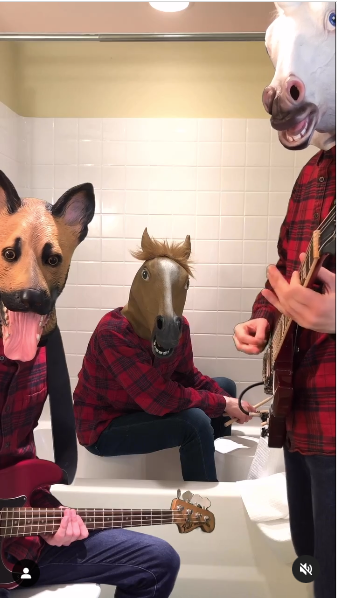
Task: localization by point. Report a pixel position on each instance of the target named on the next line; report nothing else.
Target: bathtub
(237, 559)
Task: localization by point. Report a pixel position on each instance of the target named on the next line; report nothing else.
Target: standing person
(302, 105)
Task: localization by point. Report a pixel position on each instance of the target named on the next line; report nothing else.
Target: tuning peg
(187, 496)
(178, 493)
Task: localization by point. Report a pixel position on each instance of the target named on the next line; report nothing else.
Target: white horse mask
(301, 96)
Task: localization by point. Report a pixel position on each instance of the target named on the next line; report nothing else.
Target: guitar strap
(61, 406)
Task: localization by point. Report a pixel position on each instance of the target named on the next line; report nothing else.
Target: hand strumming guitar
(71, 529)
(251, 337)
(309, 309)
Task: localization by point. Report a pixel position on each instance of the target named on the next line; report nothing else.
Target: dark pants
(311, 486)
(192, 430)
(141, 566)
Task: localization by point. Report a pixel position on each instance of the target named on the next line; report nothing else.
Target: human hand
(234, 411)
(71, 529)
(251, 337)
(309, 309)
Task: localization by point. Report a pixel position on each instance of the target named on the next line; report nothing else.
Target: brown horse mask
(158, 293)
(37, 241)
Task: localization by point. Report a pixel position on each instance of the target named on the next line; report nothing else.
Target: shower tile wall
(224, 182)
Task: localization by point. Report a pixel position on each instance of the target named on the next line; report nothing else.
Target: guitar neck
(29, 521)
(307, 274)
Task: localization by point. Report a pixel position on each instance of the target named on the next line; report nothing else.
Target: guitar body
(17, 484)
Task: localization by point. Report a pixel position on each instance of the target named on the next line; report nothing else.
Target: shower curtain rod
(136, 37)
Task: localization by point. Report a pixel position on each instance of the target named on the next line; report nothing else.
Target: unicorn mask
(37, 241)
(158, 293)
(301, 96)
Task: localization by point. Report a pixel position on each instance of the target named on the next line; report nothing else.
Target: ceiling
(133, 17)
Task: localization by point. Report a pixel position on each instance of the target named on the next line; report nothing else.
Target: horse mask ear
(145, 240)
(76, 208)
(187, 247)
(9, 197)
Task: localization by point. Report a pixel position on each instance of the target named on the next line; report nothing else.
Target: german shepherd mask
(37, 241)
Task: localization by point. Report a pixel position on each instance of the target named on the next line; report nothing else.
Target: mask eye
(53, 261)
(332, 21)
(187, 284)
(145, 274)
(9, 255)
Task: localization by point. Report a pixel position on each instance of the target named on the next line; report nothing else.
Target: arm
(133, 369)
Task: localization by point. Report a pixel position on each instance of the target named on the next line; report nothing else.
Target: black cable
(244, 392)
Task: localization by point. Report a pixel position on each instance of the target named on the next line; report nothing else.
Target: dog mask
(158, 293)
(37, 241)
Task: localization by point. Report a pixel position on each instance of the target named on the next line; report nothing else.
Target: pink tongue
(21, 344)
(298, 128)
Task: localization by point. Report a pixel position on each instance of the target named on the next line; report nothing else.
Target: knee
(170, 560)
(227, 385)
(196, 419)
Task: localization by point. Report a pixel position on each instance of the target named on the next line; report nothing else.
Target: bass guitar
(19, 518)
(278, 357)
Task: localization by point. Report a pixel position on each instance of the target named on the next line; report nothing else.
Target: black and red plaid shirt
(311, 427)
(23, 391)
(120, 375)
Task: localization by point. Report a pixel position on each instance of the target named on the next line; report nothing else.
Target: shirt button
(7, 445)
(321, 179)
(315, 215)
(2, 358)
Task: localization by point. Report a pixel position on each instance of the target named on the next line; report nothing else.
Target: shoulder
(113, 325)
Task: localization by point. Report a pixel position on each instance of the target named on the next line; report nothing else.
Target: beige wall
(8, 75)
(92, 79)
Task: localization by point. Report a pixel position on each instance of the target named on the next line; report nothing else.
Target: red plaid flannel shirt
(23, 391)
(311, 422)
(121, 375)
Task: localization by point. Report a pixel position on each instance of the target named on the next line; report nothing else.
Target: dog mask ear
(9, 198)
(77, 208)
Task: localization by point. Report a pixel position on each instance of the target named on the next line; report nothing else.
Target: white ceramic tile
(113, 202)
(183, 202)
(42, 176)
(254, 252)
(230, 276)
(209, 129)
(67, 318)
(68, 297)
(88, 250)
(209, 154)
(256, 204)
(255, 227)
(253, 275)
(231, 227)
(114, 129)
(226, 349)
(228, 299)
(66, 128)
(274, 225)
(113, 177)
(234, 129)
(90, 174)
(205, 252)
(278, 204)
(89, 296)
(136, 202)
(227, 320)
(88, 273)
(280, 156)
(114, 153)
(206, 275)
(90, 151)
(207, 227)
(161, 227)
(135, 225)
(160, 202)
(184, 178)
(257, 179)
(208, 203)
(233, 154)
(272, 252)
(257, 154)
(90, 128)
(113, 297)
(281, 179)
(258, 130)
(66, 176)
(87, 319)
(137, 129)
(161, 177)
(65, 151)
(42, 141)
(248, 297)
(230, 252)
(138, 153)
(137, 177)
(182, 226)
(232, 204)
(232, 179)
(113, 225)
(113, 273)
(209, 179)
(95, 228)
(303, 156)
(113, 250)
(205, 299)
(203, 345)
(45, 194)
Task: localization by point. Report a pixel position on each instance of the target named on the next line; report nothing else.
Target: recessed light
(169, 6)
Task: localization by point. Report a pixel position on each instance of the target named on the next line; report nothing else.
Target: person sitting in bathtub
(138, 390)
(139, 565)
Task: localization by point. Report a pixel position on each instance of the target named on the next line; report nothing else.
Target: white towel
(266, 462)
(265, 499)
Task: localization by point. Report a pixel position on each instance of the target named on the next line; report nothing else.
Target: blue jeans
(311, 487)
(141, 566)
(192, 430)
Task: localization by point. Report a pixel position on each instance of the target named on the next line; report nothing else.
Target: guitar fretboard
(27, 521)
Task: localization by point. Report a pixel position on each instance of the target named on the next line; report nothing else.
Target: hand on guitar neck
(71, 528)
(306, 307)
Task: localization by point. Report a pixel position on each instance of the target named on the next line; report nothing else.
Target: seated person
(138, 564)
(138, 390)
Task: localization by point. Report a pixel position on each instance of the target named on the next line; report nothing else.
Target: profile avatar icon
(25, 574)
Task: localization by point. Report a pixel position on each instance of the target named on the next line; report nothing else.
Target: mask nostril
(160, 322)
(294, 92)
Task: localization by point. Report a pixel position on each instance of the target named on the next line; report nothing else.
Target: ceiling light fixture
(169, 6)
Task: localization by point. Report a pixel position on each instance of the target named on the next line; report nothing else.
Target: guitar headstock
(191, 511)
